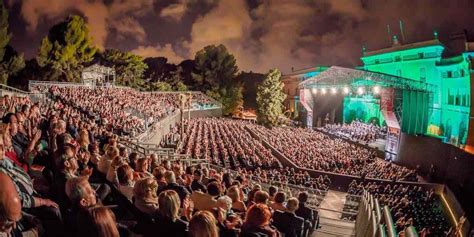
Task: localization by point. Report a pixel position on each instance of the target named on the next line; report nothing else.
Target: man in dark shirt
(197, 184)
(287, 222)
(173, 185)
(309, 215)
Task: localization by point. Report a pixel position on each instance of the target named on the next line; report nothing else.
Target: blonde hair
(203, 224)
(112, 152)
(145, 188)
(169, 203)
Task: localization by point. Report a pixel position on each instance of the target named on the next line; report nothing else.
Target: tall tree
(67, 47)
(10, 61)
(270, 97)
(215, 71)
(129, 68)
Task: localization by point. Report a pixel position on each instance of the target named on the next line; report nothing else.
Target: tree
(160, 86)
(129, 68)
(180, 86)
(10, 61)
(270, 97)
(67, 47)
(214, 74)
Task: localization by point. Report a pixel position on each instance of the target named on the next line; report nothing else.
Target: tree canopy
(10, 61)
(67, 47)
(214, 73)
(270, 97)
(129, 68)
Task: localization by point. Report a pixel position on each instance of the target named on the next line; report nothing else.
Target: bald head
(10, 204)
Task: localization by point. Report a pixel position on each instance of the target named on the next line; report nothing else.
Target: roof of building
(401, 47)
(306, 70)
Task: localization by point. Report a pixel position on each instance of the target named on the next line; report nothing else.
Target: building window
(420, 55)
(423, 74)
(458, 99)
(450, 74)
(450, 98)
(462, 73)
(399, 72)
(397, 58)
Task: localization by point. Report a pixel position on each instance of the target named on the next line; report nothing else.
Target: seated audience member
(203, 224)
(168, 221)
(141, 170)
(287, 221)
(80, 193)
(237, 204)
(279, 202)
(81, 196)
(226, 220)
(257, 222)
(309, 215)
(159, 174)
(12, 223)
(126, 181)
(197, 184)
(145, 197)
(261, 197)
(96, 222)
(271, 192)
(173, 185)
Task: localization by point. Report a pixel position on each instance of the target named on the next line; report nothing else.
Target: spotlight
(323, 91)
(346, 90)
(376, 89)
(314, 90)
(360, 90)
(333, 90)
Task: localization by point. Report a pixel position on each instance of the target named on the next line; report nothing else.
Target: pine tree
(214, 74)
(67, 47)
(10, 61)
(129, 68)
(270, 97)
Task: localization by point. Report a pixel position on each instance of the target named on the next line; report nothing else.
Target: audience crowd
(126, 110)
(60, 179)
(357, 131)
(63, 172)
(315, 150)
(409, 205)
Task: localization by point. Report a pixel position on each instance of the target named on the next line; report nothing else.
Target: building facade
(448, 71)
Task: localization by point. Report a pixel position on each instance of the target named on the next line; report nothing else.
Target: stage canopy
(336, 77)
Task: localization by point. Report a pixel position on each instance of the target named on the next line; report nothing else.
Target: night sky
(261, 34)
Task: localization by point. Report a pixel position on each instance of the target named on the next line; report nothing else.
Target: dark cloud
(261, 34)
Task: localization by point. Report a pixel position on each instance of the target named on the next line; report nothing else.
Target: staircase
(330, 212)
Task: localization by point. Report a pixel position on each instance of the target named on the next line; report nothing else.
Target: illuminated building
(447, 71)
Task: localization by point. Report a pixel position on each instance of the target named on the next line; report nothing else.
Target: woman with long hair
(145, 198)
(203, 224)
(97, 222)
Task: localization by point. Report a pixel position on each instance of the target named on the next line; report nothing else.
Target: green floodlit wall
(365, 108)
(449, 105)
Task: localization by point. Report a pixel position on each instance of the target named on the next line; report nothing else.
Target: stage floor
(379, 144)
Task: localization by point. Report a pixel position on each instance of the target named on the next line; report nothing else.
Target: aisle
(330, 222)
(334, 200)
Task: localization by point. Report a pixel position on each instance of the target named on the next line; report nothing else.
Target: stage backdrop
(327, 105)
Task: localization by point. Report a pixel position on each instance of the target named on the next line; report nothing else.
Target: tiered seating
(315, 150)
(225, 142)
(409, 204)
